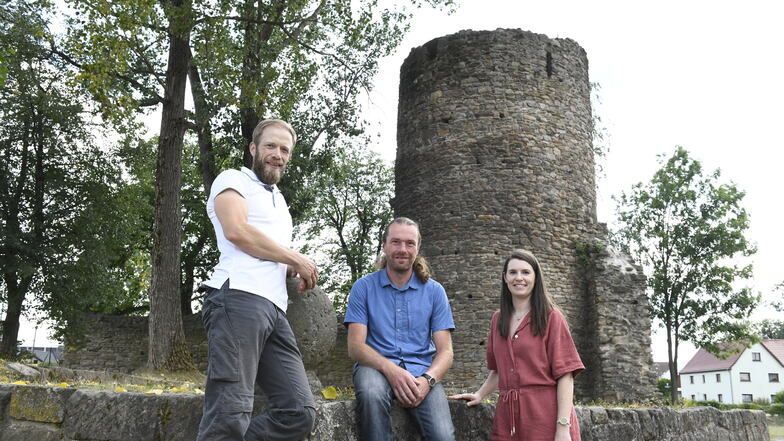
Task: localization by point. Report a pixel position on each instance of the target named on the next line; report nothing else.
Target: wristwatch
(430, 380)
(563, 421)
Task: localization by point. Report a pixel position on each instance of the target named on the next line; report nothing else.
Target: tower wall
(495, 153)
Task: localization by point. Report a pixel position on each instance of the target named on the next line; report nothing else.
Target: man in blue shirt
(399, 334)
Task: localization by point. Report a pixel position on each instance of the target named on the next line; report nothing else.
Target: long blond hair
(420, 266)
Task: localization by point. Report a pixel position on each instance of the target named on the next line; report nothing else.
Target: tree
(347, 219)
(57, 189)
(305, 61)
(770, 329)
(688, 231)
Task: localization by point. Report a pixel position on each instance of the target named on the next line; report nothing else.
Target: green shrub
(779, 397)
(664, 387)
(711, 403)
(776, 409)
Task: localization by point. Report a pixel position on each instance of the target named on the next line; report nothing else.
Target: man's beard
(401, 268)
(269, 176)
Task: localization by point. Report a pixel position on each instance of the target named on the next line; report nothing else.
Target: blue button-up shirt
(400, 321)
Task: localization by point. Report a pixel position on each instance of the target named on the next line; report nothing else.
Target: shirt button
(511, 370)
(515, 335)
(398, 329)
(398, 310)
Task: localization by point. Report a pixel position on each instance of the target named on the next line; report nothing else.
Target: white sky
(706, 75)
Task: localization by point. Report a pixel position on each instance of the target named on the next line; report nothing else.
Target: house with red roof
(747, 374)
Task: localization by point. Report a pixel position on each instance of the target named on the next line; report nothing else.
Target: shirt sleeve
(490, 355)
(356, 311)
(561, 351)
(233, 179)
(441, 318)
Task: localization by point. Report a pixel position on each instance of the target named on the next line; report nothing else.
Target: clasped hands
(409, 390)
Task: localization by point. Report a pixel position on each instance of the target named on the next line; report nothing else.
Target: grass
(151, 382)
(776, 433)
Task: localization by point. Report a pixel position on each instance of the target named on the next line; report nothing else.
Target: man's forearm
(363, 354)
(441, 364)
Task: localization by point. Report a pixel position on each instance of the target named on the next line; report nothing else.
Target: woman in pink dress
(532, 360)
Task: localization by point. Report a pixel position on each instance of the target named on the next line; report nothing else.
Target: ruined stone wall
(120, 344)
(50, 414)
(495, 153)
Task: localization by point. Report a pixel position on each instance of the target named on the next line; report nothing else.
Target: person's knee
(370, 386)
(308, 420)
(297, 424)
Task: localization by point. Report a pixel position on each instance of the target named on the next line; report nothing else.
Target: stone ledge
(123, 416)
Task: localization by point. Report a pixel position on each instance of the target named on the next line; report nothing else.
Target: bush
(711, 403)
(776, 409)
(664, 388)
(779, 397)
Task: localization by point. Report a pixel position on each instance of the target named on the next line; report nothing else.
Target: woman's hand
(473, 399)
(563, 435)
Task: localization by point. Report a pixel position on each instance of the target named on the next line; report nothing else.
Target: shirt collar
(413, 282)
(255, 178)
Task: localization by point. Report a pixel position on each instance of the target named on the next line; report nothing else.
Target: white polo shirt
(267, 211)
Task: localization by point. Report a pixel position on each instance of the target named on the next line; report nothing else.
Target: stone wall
(49, 414)
(495, 153)
(120, 344)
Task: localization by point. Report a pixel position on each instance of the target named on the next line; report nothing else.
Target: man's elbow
(353, 352)
(234, 235)
(448, 356)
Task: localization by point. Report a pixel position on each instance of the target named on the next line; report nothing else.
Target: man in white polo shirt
(244, 311)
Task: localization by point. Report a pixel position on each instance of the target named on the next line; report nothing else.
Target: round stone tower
(494, 153)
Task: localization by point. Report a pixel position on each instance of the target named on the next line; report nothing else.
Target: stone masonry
(49, 414)
(495, 153)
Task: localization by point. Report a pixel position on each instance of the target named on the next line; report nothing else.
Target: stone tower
(494, 153)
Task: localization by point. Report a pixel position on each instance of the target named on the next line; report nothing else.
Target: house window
(756, 356)
(773, 398)
(718, 378)
(747, 398)
(745, 376)
(773, 378)
(691, 379)
(721, 400)
(693, 398)
(703, 378)
(704, 397)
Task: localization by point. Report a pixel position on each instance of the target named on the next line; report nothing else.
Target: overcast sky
(706, 75)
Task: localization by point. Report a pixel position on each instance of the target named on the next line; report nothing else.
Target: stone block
(5, 398)
(24, 370)
(31, 431)
(111, 416)
(39, 403)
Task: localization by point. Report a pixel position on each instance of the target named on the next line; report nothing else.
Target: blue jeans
(250, 341)
(374, 398)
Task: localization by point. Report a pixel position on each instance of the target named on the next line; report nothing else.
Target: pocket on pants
(223, 354)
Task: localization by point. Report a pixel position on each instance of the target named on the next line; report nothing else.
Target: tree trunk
(16, 295)
(203, 115)
(167, 349)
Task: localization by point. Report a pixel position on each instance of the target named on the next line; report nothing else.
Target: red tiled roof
(704, 361)
(776, 348)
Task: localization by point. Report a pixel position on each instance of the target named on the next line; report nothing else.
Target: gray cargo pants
(250, 341)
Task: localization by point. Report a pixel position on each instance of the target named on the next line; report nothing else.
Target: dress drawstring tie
(513, 398)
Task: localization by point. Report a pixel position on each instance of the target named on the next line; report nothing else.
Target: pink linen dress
(528, 368)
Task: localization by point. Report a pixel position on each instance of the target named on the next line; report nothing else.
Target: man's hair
(273, 122)
(421, 268)
(541, 302)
